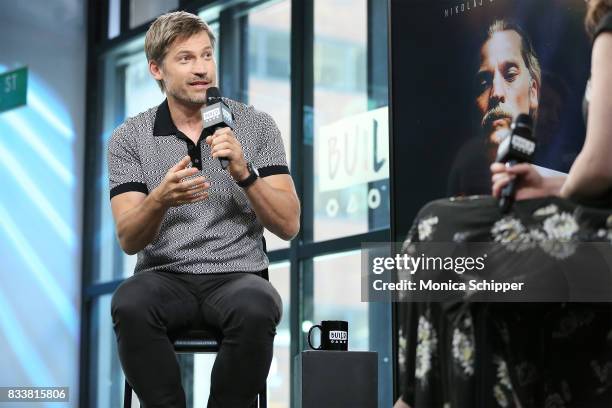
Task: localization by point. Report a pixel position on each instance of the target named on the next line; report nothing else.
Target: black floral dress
(463, 354)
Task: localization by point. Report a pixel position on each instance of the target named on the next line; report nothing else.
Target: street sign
(13, 89)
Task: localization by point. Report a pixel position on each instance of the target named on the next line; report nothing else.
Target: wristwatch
(253, 175)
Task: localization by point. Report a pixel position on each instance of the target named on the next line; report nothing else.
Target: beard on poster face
(496, 123)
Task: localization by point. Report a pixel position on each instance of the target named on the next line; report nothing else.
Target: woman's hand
(530, 184)
(400, 404)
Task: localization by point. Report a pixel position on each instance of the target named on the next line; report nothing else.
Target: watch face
(255, 171)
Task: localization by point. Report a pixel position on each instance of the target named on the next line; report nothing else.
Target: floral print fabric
(540, 355)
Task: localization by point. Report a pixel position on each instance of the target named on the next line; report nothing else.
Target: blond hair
(167, 28)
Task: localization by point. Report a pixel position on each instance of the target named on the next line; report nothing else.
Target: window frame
(303, 249)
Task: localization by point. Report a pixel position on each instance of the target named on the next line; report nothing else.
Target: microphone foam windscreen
(212, 95)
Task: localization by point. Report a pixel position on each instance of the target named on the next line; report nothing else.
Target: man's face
(504, 85)
(188, 69)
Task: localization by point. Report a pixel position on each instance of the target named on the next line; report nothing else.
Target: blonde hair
(595, 11)
(167, 28)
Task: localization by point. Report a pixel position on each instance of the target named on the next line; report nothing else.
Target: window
(351, 162)
(342, 146)
(142, 11)
(268, 82)
(279, 378)
(337, 295)
(106, 371)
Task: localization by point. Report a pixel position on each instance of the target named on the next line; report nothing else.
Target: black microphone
(518, 147)
(216, 115)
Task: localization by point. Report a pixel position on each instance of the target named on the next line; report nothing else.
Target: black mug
(334, 335)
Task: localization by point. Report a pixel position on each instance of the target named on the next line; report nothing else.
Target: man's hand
(174, 190)
(530, 184)
(223, 143)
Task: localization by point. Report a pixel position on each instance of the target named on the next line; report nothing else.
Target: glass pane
(106, 246)
(142, 11)
(114, 17)
(279, 379)
(351, 154)
(214, 26)
(141, 91)
(337, 295)
(331, 286)
(106, 375)
(269, 87)
(211, 16)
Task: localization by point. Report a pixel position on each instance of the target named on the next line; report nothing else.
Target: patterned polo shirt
(218, 234)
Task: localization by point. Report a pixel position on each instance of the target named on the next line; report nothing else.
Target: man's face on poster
(504, 84)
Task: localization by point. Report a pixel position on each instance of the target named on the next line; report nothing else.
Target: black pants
(149, 305)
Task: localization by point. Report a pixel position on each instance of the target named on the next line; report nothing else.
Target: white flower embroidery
(502, 373)
(427, 227)
(408, 247)
(561, 227)
(500, 396)
(560, 230)
(463, 347)
(511, 233)
(402, 343)
(556, 238)
(545, 211)
(507, 230)
(606, 233)
(503, 385)
(427, 341)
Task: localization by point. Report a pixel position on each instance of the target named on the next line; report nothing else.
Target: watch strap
(250, 178)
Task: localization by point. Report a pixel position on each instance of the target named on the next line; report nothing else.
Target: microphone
(216, 115)
(518, 147)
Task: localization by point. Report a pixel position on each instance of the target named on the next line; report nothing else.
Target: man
(197, 229)
(507, 82)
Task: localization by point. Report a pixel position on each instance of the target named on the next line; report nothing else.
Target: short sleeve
(124, 166)
(605, 25)
(271, 158)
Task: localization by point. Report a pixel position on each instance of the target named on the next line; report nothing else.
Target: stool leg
(127, 395)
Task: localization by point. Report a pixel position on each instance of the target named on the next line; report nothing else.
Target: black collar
(164, 126)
